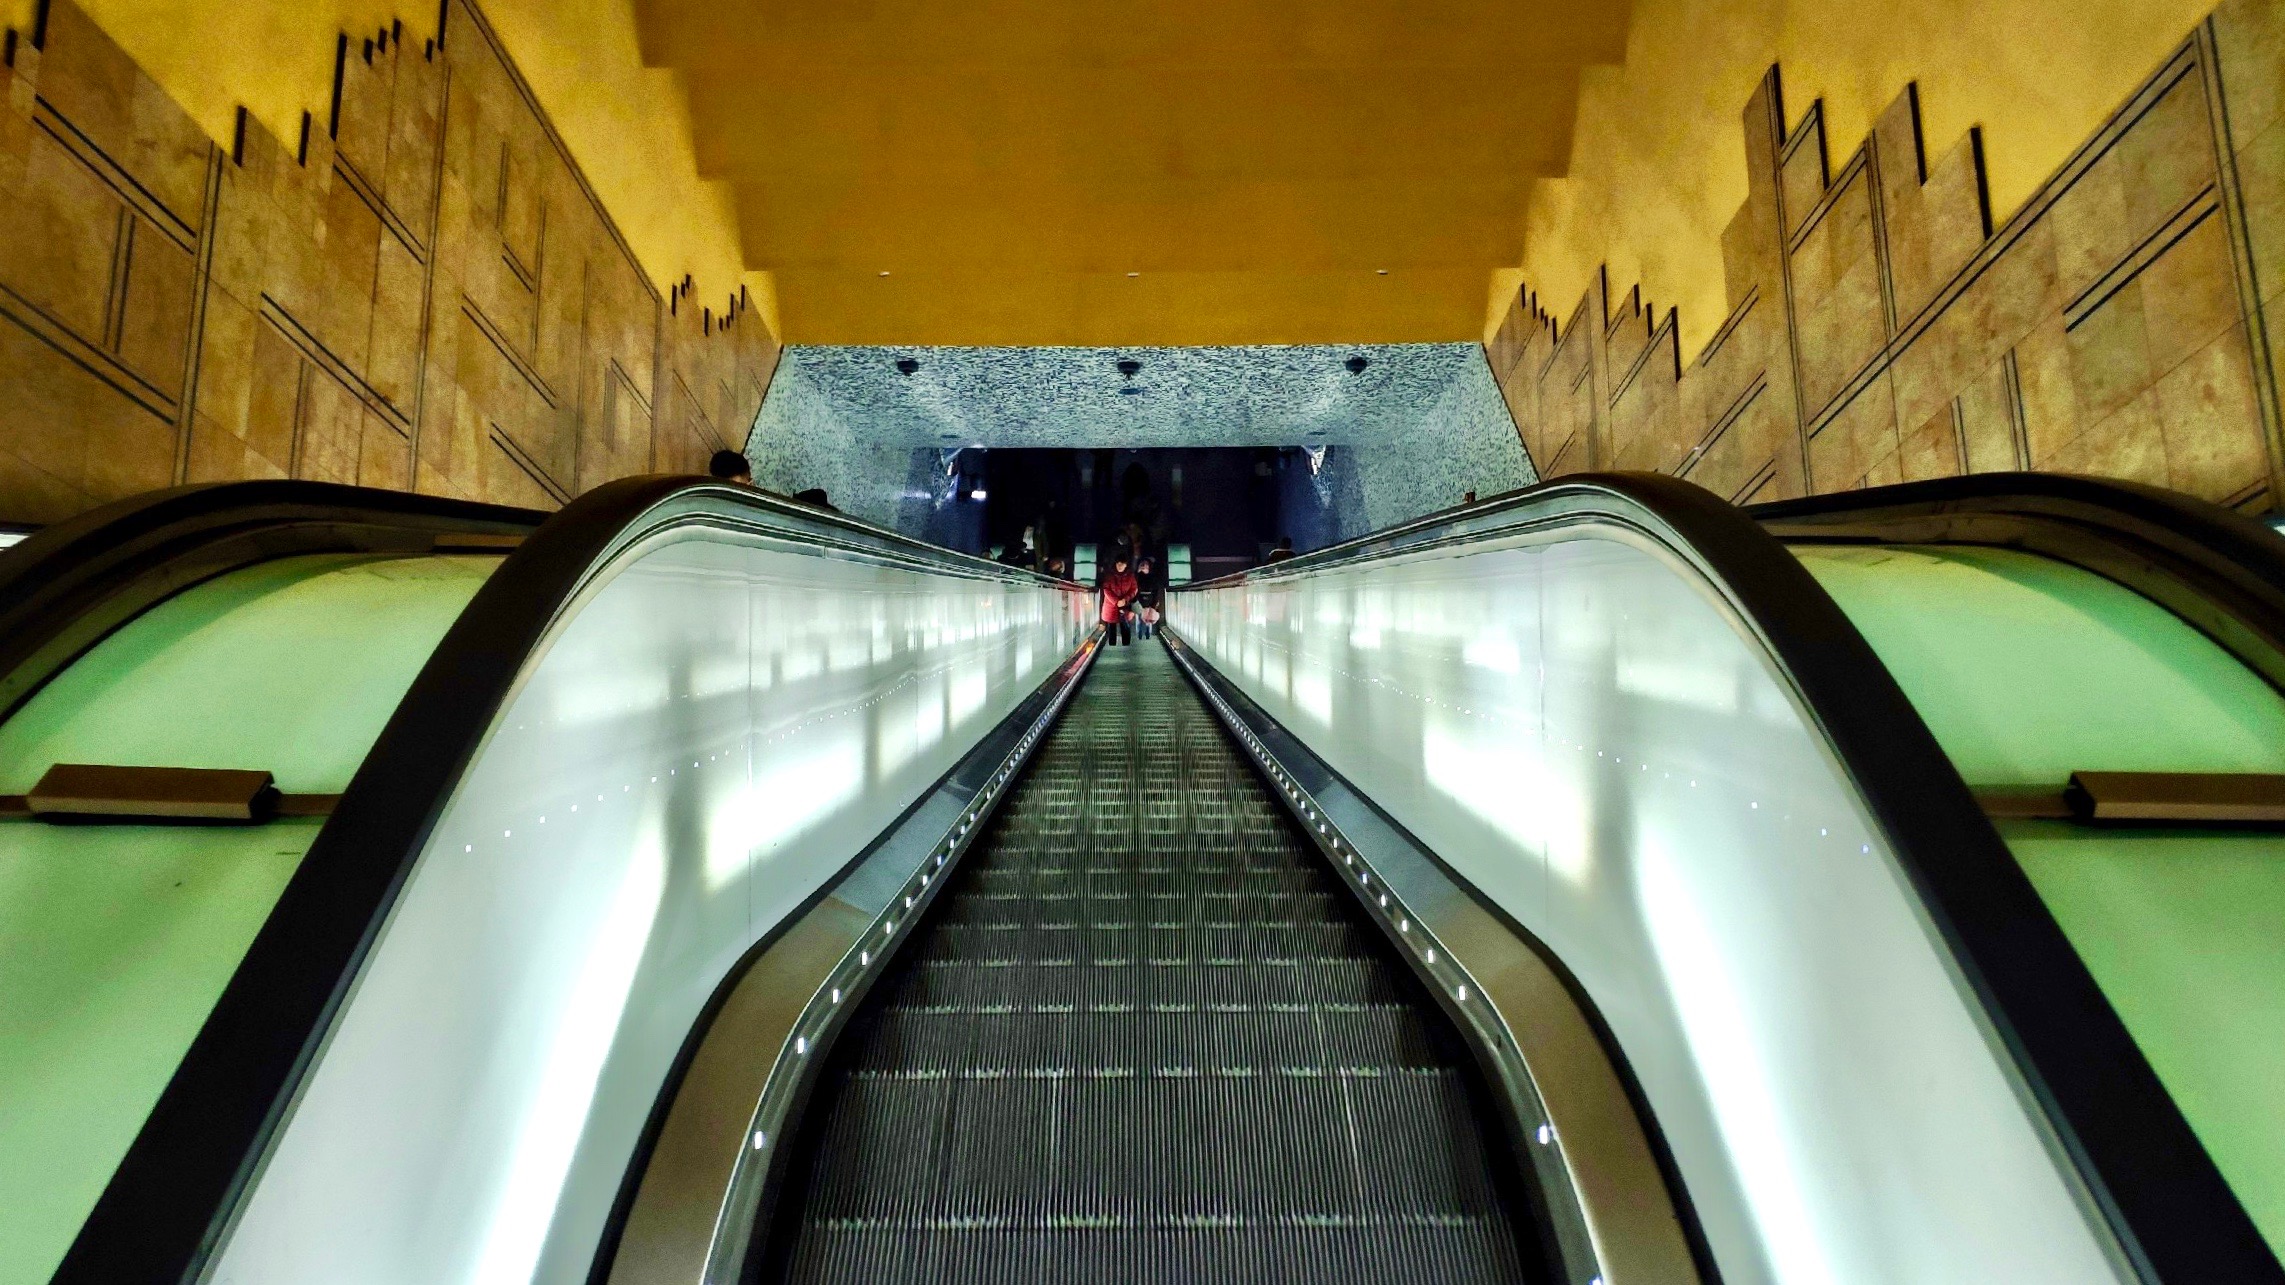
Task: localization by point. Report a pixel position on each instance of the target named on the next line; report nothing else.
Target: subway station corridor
(1268, 642)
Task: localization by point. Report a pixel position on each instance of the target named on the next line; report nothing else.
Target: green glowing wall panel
(2026, 670)
(115, 941)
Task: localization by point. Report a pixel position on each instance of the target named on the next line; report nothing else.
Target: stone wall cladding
(420, 293)
(2124, 322)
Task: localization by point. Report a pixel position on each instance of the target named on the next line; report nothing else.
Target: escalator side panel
(116, 940)
(1591, 735)
(717, 722)
(2028, 669)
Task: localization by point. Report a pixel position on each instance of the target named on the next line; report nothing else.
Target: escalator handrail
(122, 538)
(2154, 1184)
(2220, 571)
(2238, 547)
(65, 586)
(167, 1206)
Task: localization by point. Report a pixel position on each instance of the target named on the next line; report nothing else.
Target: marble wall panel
(2125, 321)
(419, 292)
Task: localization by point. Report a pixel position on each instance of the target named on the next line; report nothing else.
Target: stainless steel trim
(1609, 1205)
(717, 1154)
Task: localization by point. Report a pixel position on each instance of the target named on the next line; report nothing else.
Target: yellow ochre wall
(627, 125)
(1657, 168)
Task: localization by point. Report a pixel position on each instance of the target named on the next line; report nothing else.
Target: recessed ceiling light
(884, 274)
(1377, 272)
(1134, 274)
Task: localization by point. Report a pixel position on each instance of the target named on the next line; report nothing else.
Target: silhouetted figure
(1119, 590)
(815, 496)
(731, 466)
(1055, 534)
(1150, 599)
(1283, 550)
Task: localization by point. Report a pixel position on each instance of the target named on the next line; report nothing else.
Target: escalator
(1598, 883)
(1146, 1036)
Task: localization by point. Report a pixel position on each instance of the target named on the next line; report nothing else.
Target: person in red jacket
(1119, 590)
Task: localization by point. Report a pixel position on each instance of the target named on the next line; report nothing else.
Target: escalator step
(1144, 984)
(1459, 1251)
(1295, 1040)
(1151, 1148)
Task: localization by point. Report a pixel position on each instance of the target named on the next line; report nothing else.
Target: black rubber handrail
(2173, 1214)
(68, 585)
(166, 1207)
(2221, 571)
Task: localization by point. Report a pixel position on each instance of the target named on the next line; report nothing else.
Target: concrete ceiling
(1405, 394)
(1158, 172)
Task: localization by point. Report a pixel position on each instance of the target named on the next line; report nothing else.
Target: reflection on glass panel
(720, 728)
(1578, 726)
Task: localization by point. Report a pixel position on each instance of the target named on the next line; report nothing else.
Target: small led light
(1546, 1134)
(760, 1139)
(836, 994)
(800, 1044)
(1431, 955)
(1461, 994)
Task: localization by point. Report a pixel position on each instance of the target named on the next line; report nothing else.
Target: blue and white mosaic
(1421, 423)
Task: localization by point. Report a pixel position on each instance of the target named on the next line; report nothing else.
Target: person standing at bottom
(1119, 590)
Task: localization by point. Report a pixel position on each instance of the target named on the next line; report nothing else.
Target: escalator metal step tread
(1143, 984)
(1463, 1252)
(1144, 1037)
(1269, 1041)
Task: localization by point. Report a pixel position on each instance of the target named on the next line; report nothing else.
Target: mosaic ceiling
(1372, 394)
